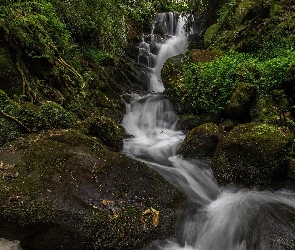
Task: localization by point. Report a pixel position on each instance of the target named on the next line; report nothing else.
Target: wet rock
(253, 154)
(72, 192)
(200, 142)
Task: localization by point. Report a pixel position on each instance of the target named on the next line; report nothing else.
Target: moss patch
(200, 142)
(253, 153)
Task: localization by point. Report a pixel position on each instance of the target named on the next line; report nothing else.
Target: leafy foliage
(209, 85)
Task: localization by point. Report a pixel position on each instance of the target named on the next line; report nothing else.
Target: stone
(200, 142)
(253, 154)
(72, 192)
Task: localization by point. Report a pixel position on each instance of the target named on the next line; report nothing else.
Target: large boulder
(64, 190)
(253, 154)
(200, 142)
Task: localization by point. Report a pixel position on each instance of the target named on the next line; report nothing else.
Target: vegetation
(262, 58)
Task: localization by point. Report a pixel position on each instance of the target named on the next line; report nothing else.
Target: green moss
(271, 108)
(106, 130)
(241, 100)
(253, 154)
(57, 117)
(276, 10)
(201, 141)
(210, 34)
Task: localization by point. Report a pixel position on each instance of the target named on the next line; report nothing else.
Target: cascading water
(219, 218)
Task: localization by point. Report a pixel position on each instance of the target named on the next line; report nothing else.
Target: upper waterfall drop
(154, 50)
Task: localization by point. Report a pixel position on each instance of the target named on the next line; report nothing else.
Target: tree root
(15, 120)
(26, 86)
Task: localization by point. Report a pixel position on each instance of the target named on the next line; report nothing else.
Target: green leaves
(208, 85)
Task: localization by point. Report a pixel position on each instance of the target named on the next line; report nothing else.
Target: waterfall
(217, 218)
(154, 54)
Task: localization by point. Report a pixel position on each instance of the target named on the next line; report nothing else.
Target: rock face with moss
(253, 154)
(106, 130)
(241, 101)
(64, 190)
(201, 141)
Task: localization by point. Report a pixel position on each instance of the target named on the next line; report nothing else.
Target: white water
(216, 218)
(9, 245)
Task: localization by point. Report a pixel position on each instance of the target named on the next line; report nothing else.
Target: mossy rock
(273, 108)
(200, 142)
(228, 124)
(189, 122)
(65, 190)
(57, 117)
(170, 78)
(106, 130)
(240, 101)
(253, 154)
(276, 10)
(246, 10)
(210, 34)
(16, 119)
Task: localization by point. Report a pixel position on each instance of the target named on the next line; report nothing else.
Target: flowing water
(216, 218)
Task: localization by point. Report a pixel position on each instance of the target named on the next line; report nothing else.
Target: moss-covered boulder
(172, 75)
(200, 142)
(253, 154)
(247, 10)
(210, 34)
(57, 117)
(106, 130)
(16, 119)
(64, 190)
(240, 101)
(273, 108)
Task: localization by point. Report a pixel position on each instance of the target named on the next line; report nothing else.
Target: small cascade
(216, 218)
(168, 38)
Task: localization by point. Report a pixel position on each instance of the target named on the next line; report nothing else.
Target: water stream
(218, 218)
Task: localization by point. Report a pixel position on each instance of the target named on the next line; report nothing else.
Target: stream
(216, 218)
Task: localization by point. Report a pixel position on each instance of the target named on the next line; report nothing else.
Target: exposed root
(15, 120)
(26, 86)
(68, 66)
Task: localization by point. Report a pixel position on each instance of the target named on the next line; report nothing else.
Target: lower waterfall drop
(218, 218)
